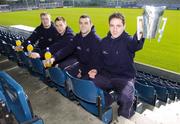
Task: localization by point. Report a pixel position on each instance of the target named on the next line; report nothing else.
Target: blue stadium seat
(146, 93)
(2, 97)
(58, 76)
(91, 98)
(17, 100)
(24, 60)
(38, 68)
(162, 92)
(142, 81)
(172, 92)
(178, 92)
(176, 87)
(171, 89)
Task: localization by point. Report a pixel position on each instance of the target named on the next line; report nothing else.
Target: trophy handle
(162, 29)
(139, 26)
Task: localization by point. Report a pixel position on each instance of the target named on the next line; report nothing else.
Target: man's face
(116, 27)
(46, 21)
(60, 26)
(85, 25)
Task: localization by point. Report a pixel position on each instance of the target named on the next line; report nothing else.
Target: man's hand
(79, 74)
(34, 55)
(92, 73)
(48, 63)
(140, 29)
(19, 48)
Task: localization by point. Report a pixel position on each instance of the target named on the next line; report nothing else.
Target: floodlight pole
(73, 3)
(27, 4)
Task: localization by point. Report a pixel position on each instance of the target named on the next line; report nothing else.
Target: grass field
(165, 54)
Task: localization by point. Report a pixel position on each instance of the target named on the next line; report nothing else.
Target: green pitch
(165, 54)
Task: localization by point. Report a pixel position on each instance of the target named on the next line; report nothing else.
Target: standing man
(43, 36)
(84, 46)
(117, 70)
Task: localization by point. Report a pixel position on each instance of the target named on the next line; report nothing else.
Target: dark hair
(85, 16)
(44, 14)
(60, 18)
(118, 16)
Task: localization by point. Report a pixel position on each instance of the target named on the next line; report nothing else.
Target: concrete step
(122, 120)
(2, 57)
(162, 117)
(140, 119)
(171, 112)
(6, 65)
(153, 116)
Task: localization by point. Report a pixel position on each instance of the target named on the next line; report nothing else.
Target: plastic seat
(38, 68)
(58, 76)
(146, 93)
(91, 98)
(17, 100)
(162, 92)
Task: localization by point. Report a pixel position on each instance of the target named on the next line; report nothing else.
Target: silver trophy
(150, 22)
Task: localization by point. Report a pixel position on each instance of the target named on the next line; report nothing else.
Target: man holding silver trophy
(117, 72)
(116, 59)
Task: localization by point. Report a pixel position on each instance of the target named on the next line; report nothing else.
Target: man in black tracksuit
(65, 36)
(43, 36)
(117, 72)
(84, 47)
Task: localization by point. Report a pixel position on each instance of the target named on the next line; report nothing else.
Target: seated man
(64, 37)
(117, 72)
(84, 46)
(43, 36)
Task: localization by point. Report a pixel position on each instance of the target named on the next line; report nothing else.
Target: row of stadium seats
(7, 43)
(154, 87)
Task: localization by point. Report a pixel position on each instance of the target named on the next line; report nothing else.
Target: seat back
(57, 76)
(17, 100)
(2, 98)
(146, 93)
(85, 89)
(24, 59)
(162, 92)
(38, 66)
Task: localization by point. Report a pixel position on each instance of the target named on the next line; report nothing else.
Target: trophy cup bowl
(151, 20)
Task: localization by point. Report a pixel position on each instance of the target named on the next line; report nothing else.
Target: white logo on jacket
(105, 52)
(78, 47)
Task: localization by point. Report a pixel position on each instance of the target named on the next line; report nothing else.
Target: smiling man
(117, 71)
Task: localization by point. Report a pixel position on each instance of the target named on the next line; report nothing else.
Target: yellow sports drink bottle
(18, 43)
(29, 47)
(48, 56)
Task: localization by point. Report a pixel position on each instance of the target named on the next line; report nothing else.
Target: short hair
(45, 14)
(60, 18)
(85, 16)
(118, 16)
